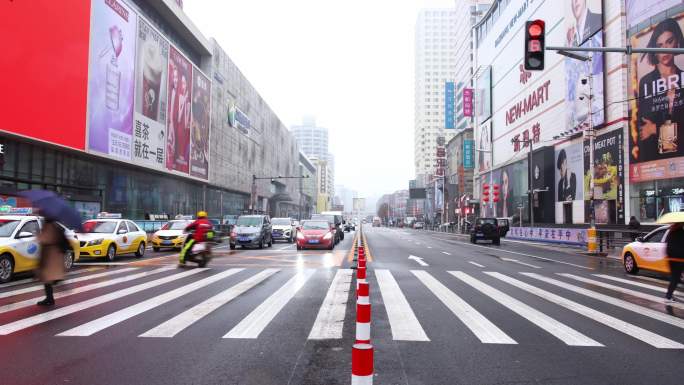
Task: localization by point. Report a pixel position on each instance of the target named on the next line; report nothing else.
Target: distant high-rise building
(313, 142)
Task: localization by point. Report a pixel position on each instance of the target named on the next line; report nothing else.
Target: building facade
(459, 175)
(313, 142)
(163, 123)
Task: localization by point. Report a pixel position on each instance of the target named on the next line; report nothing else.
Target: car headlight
(95, 242)
(300, 235)
(327, 236)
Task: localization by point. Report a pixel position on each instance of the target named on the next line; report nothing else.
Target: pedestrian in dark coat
(53, 246)
(675, 256)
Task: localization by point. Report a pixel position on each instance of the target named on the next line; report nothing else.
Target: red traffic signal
(534, 45)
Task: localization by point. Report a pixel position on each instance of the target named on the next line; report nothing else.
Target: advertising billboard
(111, 78)
(468, 145)
(199, 125)
(483, 97)
(640, 10)
(149, 131)
(578, 88)
(608, 177)
(656, 124)
(583, 18)
(45, 70)
(178, 114)
(569, 173)
(468, 102)
(483, 140)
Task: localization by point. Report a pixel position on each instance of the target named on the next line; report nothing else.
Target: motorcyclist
(202, 230)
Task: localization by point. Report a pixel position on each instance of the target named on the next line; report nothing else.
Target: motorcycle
(200, 253)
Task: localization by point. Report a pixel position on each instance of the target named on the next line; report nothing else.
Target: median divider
(362, 350)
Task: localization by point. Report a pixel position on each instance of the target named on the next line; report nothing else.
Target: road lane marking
(613, 301)
(330, 319)
(476, 264)
(182, 321)
(623, 290)
(99, 324)
(429, 247)
(552, 326)
(256, 321)
(63, 311)
(286, 247)
(34, 280)
(639, 284)
(403, 322)
(483, 329)
(444, 252)
(81, 289)
(419, 260)
(522, 263)
(612, 322)
(65, 282)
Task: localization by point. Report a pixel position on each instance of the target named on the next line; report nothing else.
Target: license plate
(480, 234)
(313, 240)
(243, 239)
(167, 243)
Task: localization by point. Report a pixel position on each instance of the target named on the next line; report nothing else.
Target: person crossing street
(201, 230)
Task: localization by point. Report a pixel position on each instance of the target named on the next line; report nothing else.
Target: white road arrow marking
(419, 260)
(522, 263)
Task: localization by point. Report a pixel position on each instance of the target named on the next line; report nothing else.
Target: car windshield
(249, 221)
(7, 227)
(281, 222)
(328, 218)
(316, 225)
(175, 225)
(101, 227)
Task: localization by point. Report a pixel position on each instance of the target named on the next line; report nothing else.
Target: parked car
(336, 220)
(252, 230)
(647, 252)
(487, 229)
(284, 229)
(316, 234)
(419, 225)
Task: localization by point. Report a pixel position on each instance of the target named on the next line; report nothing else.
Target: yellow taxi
(109, 236)
(19, 248)
(647, 252)
(171, 235)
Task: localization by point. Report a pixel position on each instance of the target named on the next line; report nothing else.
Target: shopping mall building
(638, 149)
(124, 106)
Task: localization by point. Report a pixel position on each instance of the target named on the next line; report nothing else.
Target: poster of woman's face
(583, 18)
(657, 108)
(569, 168)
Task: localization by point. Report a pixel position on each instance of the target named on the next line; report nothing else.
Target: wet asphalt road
(442, 321)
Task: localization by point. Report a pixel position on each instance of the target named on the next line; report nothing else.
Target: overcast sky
(349, 63)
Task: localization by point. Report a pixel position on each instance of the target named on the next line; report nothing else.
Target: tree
(383, 210)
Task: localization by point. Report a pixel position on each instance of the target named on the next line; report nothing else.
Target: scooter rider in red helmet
(203, 230)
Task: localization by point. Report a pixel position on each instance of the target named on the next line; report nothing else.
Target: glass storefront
(649, 200)
(94, 184)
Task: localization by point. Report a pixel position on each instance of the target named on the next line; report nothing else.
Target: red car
(316, 234)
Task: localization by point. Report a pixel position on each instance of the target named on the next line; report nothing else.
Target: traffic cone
(363, 319)
(362, 293)
(362, 364)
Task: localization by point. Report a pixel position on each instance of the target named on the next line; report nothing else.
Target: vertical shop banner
(569, 173)
(149, 127)
(484, 144)
(468, 154)
(583, 18)
(608, 177)
(578, 90)
(199, 125)
(449, 105)
(178, 116)
(468, 102)
(656, 142)
(111, 78)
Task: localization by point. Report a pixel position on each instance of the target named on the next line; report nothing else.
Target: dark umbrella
(54, 207)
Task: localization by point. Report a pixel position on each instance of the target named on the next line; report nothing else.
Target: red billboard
(45, 63)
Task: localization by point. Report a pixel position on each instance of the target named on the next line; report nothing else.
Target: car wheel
(270, 242)
(155, 248)
(141, 250)
(111, 253)
(232, 247)
(496, 241)
(332, 246)
(6, 268)
(299, 247)
(68, 259)
(472, 239)
(630, 264)
(261, 243)
(342, 237)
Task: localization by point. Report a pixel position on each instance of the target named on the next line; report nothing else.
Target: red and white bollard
(362, 293)
(360, 276)
(362, 364)
(363, 318)
(362, 253)
(361, 262)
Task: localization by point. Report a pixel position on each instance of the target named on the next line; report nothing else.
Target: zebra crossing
(450, 291)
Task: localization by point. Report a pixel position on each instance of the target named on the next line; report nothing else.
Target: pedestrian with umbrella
(52, 240)
(674, 250)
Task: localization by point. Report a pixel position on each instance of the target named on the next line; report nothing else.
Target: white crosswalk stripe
(638, 284)
(405, 326)
(617, 324)
(557, 329)
(63, 311)
(65, 282)
(620, 289)
(182, 321)
(329, 322)
(141, 307)
(483, 329)
(34, 280)
(252, 325)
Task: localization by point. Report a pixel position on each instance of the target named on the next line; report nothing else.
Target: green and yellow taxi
(171, 235)
(110, 236)
(19, 248)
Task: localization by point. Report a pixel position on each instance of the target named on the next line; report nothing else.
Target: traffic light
(534, 45)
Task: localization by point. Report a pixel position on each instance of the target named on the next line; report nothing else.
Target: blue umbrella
(54, 207)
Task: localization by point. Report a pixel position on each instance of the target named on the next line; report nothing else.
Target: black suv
(486, 228)
(252, 230)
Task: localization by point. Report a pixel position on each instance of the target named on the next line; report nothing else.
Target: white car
(19, 248)
(110, 236)
(171, 235)
(283, 229)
